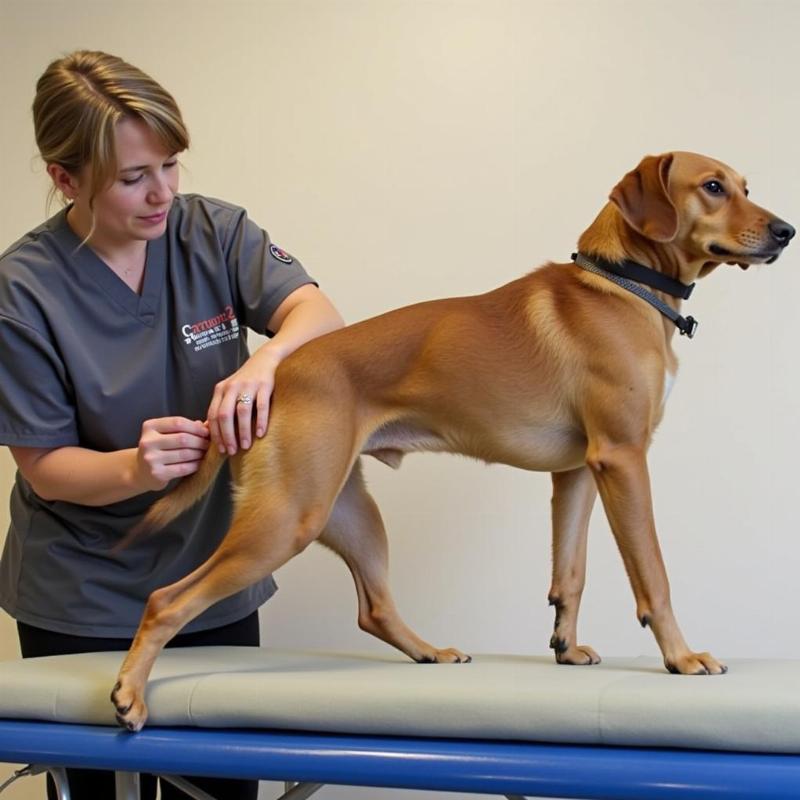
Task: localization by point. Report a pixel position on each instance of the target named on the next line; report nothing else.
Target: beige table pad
(755, 707)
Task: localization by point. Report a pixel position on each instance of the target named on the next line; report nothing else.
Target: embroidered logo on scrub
(281, 255)
(224, 327)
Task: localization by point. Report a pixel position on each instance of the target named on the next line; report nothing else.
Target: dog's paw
(695, 664)
(447, 656)
(579, 655)
(130, 707)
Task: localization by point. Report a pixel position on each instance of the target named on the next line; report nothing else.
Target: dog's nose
(781, 231)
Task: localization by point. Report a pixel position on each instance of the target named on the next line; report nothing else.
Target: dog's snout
(782, 232)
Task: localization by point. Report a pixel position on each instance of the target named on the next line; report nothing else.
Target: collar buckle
(689, 328)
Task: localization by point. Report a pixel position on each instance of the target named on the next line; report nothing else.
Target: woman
(121, 318)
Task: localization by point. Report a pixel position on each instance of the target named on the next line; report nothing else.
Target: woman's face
(135, 206)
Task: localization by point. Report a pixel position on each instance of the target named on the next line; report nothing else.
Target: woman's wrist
(134, 478)
(270, 354)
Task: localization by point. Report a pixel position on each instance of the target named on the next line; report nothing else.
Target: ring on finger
(244, 398)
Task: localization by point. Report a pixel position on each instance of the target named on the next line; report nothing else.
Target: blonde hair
(79, 100)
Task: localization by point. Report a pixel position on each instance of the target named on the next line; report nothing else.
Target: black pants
(94, 784)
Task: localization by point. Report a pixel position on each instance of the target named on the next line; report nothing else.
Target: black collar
(629, 279)
(642, 274)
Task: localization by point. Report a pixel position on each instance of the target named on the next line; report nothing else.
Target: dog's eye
(714, 187)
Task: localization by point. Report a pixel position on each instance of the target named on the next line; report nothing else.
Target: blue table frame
(489, 767)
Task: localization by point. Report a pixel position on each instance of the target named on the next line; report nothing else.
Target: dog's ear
(644, 201)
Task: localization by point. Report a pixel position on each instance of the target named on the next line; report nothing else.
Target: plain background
(411, 150)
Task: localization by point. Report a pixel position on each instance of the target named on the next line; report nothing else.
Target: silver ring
(244, 399)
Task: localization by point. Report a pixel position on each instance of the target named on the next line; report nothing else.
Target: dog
(564, 370)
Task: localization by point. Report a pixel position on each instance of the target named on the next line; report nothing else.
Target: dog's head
(699, 208)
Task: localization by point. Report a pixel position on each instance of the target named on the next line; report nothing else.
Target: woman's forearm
(306, 315)
(169, 447)
(79, 475)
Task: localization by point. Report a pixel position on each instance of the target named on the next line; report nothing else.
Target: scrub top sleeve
(36, 409)
(262, 273)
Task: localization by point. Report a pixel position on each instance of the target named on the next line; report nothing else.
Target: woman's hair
(79, 100)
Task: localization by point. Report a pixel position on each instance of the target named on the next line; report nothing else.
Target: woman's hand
(169, 447)
(241, 402)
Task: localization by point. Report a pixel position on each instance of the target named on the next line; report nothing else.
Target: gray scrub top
(84, 360)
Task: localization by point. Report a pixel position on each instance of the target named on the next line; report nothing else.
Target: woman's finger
(182, 456)
(262, 410)
(182, 441)
(213, 418)
(244, 417)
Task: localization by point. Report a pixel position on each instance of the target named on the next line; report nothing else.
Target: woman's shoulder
(31, 257)
(30, 265)
(29, 249)
(199, 208)
(197, 219)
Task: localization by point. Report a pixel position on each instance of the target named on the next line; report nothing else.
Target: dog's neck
(611, 238)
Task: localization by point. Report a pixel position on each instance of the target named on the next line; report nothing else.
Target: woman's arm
(305, 314)
(169, 447)
(172, 447)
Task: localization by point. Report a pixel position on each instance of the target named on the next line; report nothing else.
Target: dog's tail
(188, 492)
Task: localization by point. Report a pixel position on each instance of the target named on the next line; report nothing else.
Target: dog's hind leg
(282, 505)
(574, 494)
(355, 532)
(258, 543)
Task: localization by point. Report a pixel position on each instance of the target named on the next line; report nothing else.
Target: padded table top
(628, 702)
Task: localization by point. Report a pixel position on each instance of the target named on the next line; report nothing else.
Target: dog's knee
(308, 529)
(603, 457)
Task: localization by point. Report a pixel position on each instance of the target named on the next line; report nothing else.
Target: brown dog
(564, 371)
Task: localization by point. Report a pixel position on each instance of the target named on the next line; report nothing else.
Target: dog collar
(641, 274)
(624, 275)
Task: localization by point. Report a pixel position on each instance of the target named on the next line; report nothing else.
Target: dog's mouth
(744, 260)
(719, 251)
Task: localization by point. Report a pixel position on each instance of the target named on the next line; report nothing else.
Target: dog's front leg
(574, 493)
(620, 471)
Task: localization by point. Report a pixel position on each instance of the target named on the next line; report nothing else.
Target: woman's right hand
(169, 447)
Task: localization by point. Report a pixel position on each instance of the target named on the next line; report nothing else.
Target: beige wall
(408, 150)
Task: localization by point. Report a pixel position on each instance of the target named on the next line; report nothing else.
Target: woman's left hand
(241, 401)
(240, 404)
